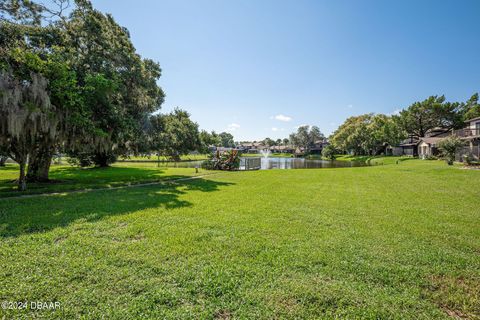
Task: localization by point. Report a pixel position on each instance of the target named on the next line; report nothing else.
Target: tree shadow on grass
(74, 178)
(43, 213)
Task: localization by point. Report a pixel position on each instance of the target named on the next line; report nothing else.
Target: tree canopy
(226, 140)
(174, 134)
(366, 134)
(208, 139)
(70, 82)
(472, 108)
(306, 137)
(433, 112)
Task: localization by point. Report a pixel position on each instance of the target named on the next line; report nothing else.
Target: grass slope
(374, 160)
(153, 158)
(67, 178)
(395, 241)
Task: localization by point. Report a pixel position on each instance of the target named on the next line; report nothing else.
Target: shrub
(87, 159)
(328, 152)
(449, 147)
(467, 159)
(228, 160)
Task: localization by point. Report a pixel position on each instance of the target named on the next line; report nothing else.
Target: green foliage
(366, 134)
(226, 140)
(88, 159)
(433, 112)
(120, 88)
(472, 108)
(329, 152)
(227, 160)
(431, 157)
(99, 88)
(449, 147)
(23, 11)
(306, 137)
(469, 160)
(208, 139)
(269, 142)
(174, 134)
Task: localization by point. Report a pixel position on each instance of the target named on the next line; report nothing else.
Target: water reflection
(268, 163)
(300, 163)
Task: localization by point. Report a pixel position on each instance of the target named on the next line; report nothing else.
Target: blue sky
(262, 67)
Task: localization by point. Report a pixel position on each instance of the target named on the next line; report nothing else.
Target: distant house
(407, 147)
(244, 147)
(318, 146)
(299, 151)
(251, 147)
(471, 135)
(422, 147)
(282, 149)
(427, 146)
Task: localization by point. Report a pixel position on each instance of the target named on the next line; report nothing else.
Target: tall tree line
(369, 133)
(75, 83)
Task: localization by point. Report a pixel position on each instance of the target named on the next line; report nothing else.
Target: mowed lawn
(68, 178)
(398, 241)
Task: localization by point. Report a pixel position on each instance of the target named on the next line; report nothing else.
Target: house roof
(437, 131)
(431, 140)
(474, 119)
(281, 147)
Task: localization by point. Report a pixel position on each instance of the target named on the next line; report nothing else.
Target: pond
(268, 163)
(277, 163)
(301, 163)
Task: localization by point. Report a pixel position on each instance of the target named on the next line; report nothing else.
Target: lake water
(275, 163)
(300, 163)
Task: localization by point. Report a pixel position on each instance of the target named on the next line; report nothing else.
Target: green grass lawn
(73, 178)
(399, 241)
(374, 160)
(187, 157)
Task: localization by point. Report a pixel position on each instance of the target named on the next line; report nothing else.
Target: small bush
(328, 152)
(449, 147)
(468, 159)
(87, 159)
(228, 160)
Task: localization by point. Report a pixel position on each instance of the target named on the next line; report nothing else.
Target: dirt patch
(223, 314)
(457, 296)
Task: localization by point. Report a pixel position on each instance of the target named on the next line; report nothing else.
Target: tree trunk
(39, 164)
(22, 181)
(102, 160)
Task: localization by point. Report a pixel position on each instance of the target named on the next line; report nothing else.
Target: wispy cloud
(350, 106)
(233, 127)
(395, 112)
(275, 129)
(282, 117)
